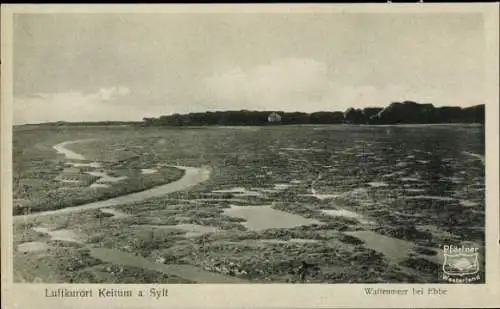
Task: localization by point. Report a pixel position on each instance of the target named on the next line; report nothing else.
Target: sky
(94, 67)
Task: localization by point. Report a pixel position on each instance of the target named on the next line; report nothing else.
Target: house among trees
(274, 117)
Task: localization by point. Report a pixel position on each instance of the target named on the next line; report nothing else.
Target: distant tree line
(86, 123)
(245, 117)
(406, 112)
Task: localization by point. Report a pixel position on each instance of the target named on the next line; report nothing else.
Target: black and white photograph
(249, 148)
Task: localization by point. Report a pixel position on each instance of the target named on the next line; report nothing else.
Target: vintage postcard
(250, 156)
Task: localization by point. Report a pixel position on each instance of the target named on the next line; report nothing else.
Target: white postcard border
(16, 295)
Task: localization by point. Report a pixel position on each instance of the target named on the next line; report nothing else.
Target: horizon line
(231, 110)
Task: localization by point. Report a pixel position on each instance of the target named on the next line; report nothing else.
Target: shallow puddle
(394, 174)
(281, 186)
(232, 190)
(345, 213)
(467, 203)
(65, 235)
(34, 246)
(393, 248)
(67, 180)
(41, 229)
(265, 190)
(423, 161)
(265, 217)
(148, 171)
(91, 164)
(413, 190)
(184, 271)
(341, 213)
(239, 191)
(430, 197)
(302, 149)
(410, 179)
(211, 200)
(116, 213)
(321, 196)
(61, 235)
(99, 185)
(293, 240)
(104, 177)
(377, 184)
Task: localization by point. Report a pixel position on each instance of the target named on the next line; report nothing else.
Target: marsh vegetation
(357, 203)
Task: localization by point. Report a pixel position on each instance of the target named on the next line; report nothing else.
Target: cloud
(293, 84)
(288, 80)
(72, 106)
(107, 94)
(302, 84)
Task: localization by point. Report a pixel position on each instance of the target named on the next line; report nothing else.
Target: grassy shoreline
(170, 174)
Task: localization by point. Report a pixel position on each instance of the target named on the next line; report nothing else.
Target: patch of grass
(57, 196)
(408, 232)
(348, 239)
(422, 265)
(109, 273)
(425, 251)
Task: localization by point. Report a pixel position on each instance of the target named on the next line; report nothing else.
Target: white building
(274, 117)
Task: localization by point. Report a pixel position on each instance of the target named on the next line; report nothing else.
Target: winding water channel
(192, 176)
